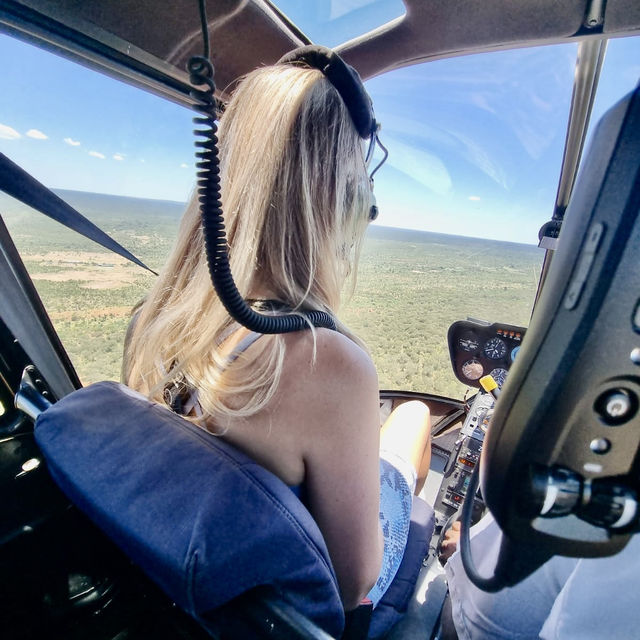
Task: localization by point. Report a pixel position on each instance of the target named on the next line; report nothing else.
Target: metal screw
(600, 445)
(618, 404)
(31, 464)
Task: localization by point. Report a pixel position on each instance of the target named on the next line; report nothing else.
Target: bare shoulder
(332, 397)
(338, 364)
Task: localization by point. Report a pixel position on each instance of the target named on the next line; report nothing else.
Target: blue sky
(144, 140)
(475, 142)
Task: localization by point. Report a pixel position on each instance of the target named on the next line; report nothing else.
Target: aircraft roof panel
(247, 33)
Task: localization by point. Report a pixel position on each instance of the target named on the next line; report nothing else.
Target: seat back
(202, 519)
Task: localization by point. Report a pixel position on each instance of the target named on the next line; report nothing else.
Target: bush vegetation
(411, 286)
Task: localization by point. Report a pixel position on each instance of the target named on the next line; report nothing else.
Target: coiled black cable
(201, 75)
(489, 584)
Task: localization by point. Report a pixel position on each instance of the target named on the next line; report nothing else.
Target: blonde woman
(297, 201)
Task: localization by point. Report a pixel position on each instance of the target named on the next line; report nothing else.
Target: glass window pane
(332, 22)
(475, 149)
(619, 75)
(122, 158)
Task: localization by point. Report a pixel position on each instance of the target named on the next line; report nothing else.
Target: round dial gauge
(468, 343)
(495, 349)
(514, 352)
(472, 369)
(499, 375)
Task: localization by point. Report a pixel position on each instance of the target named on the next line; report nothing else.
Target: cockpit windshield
(475, 151)
(475, 148)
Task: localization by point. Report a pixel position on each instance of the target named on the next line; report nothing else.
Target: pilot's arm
(517, 612)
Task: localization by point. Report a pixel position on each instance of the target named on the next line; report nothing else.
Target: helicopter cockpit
(545, 437)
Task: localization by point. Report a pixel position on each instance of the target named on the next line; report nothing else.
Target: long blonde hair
(296, 199)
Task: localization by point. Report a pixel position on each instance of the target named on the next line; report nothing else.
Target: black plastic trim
(25, 316)
(39, 29)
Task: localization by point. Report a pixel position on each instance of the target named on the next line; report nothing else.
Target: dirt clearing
(92, 270)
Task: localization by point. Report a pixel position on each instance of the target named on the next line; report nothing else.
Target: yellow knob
(488, 383)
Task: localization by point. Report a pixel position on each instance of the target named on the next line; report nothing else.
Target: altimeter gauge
(499, 375)
(472, 369)
(495, 349)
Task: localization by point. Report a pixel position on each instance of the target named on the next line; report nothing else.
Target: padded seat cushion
(201, 518)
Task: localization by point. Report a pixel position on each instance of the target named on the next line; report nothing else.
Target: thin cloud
(72, 142)
(184, 165)
(421, 165)
(8, 133)
(474, 198)
(97, 154)
(38, 135)
(118, 156)
(454, 140)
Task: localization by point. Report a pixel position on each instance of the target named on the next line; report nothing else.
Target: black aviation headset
(347, 82)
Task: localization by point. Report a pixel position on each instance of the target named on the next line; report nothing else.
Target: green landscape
(411, 286)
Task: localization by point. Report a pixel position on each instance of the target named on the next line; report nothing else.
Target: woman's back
(321, 431)
(297, 199)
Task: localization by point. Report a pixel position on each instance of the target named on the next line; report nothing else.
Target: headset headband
(344, 78)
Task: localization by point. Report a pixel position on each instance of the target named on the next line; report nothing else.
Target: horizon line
(373, 225)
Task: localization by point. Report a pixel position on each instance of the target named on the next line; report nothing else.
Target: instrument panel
(465, 457)
(478, 349)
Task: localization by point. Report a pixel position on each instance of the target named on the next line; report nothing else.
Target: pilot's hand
(449, 542)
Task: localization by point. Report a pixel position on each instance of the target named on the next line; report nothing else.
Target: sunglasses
(374, 141)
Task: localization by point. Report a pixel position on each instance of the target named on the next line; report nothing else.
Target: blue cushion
(202, 519)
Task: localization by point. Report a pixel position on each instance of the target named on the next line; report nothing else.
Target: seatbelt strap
(16, 182)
